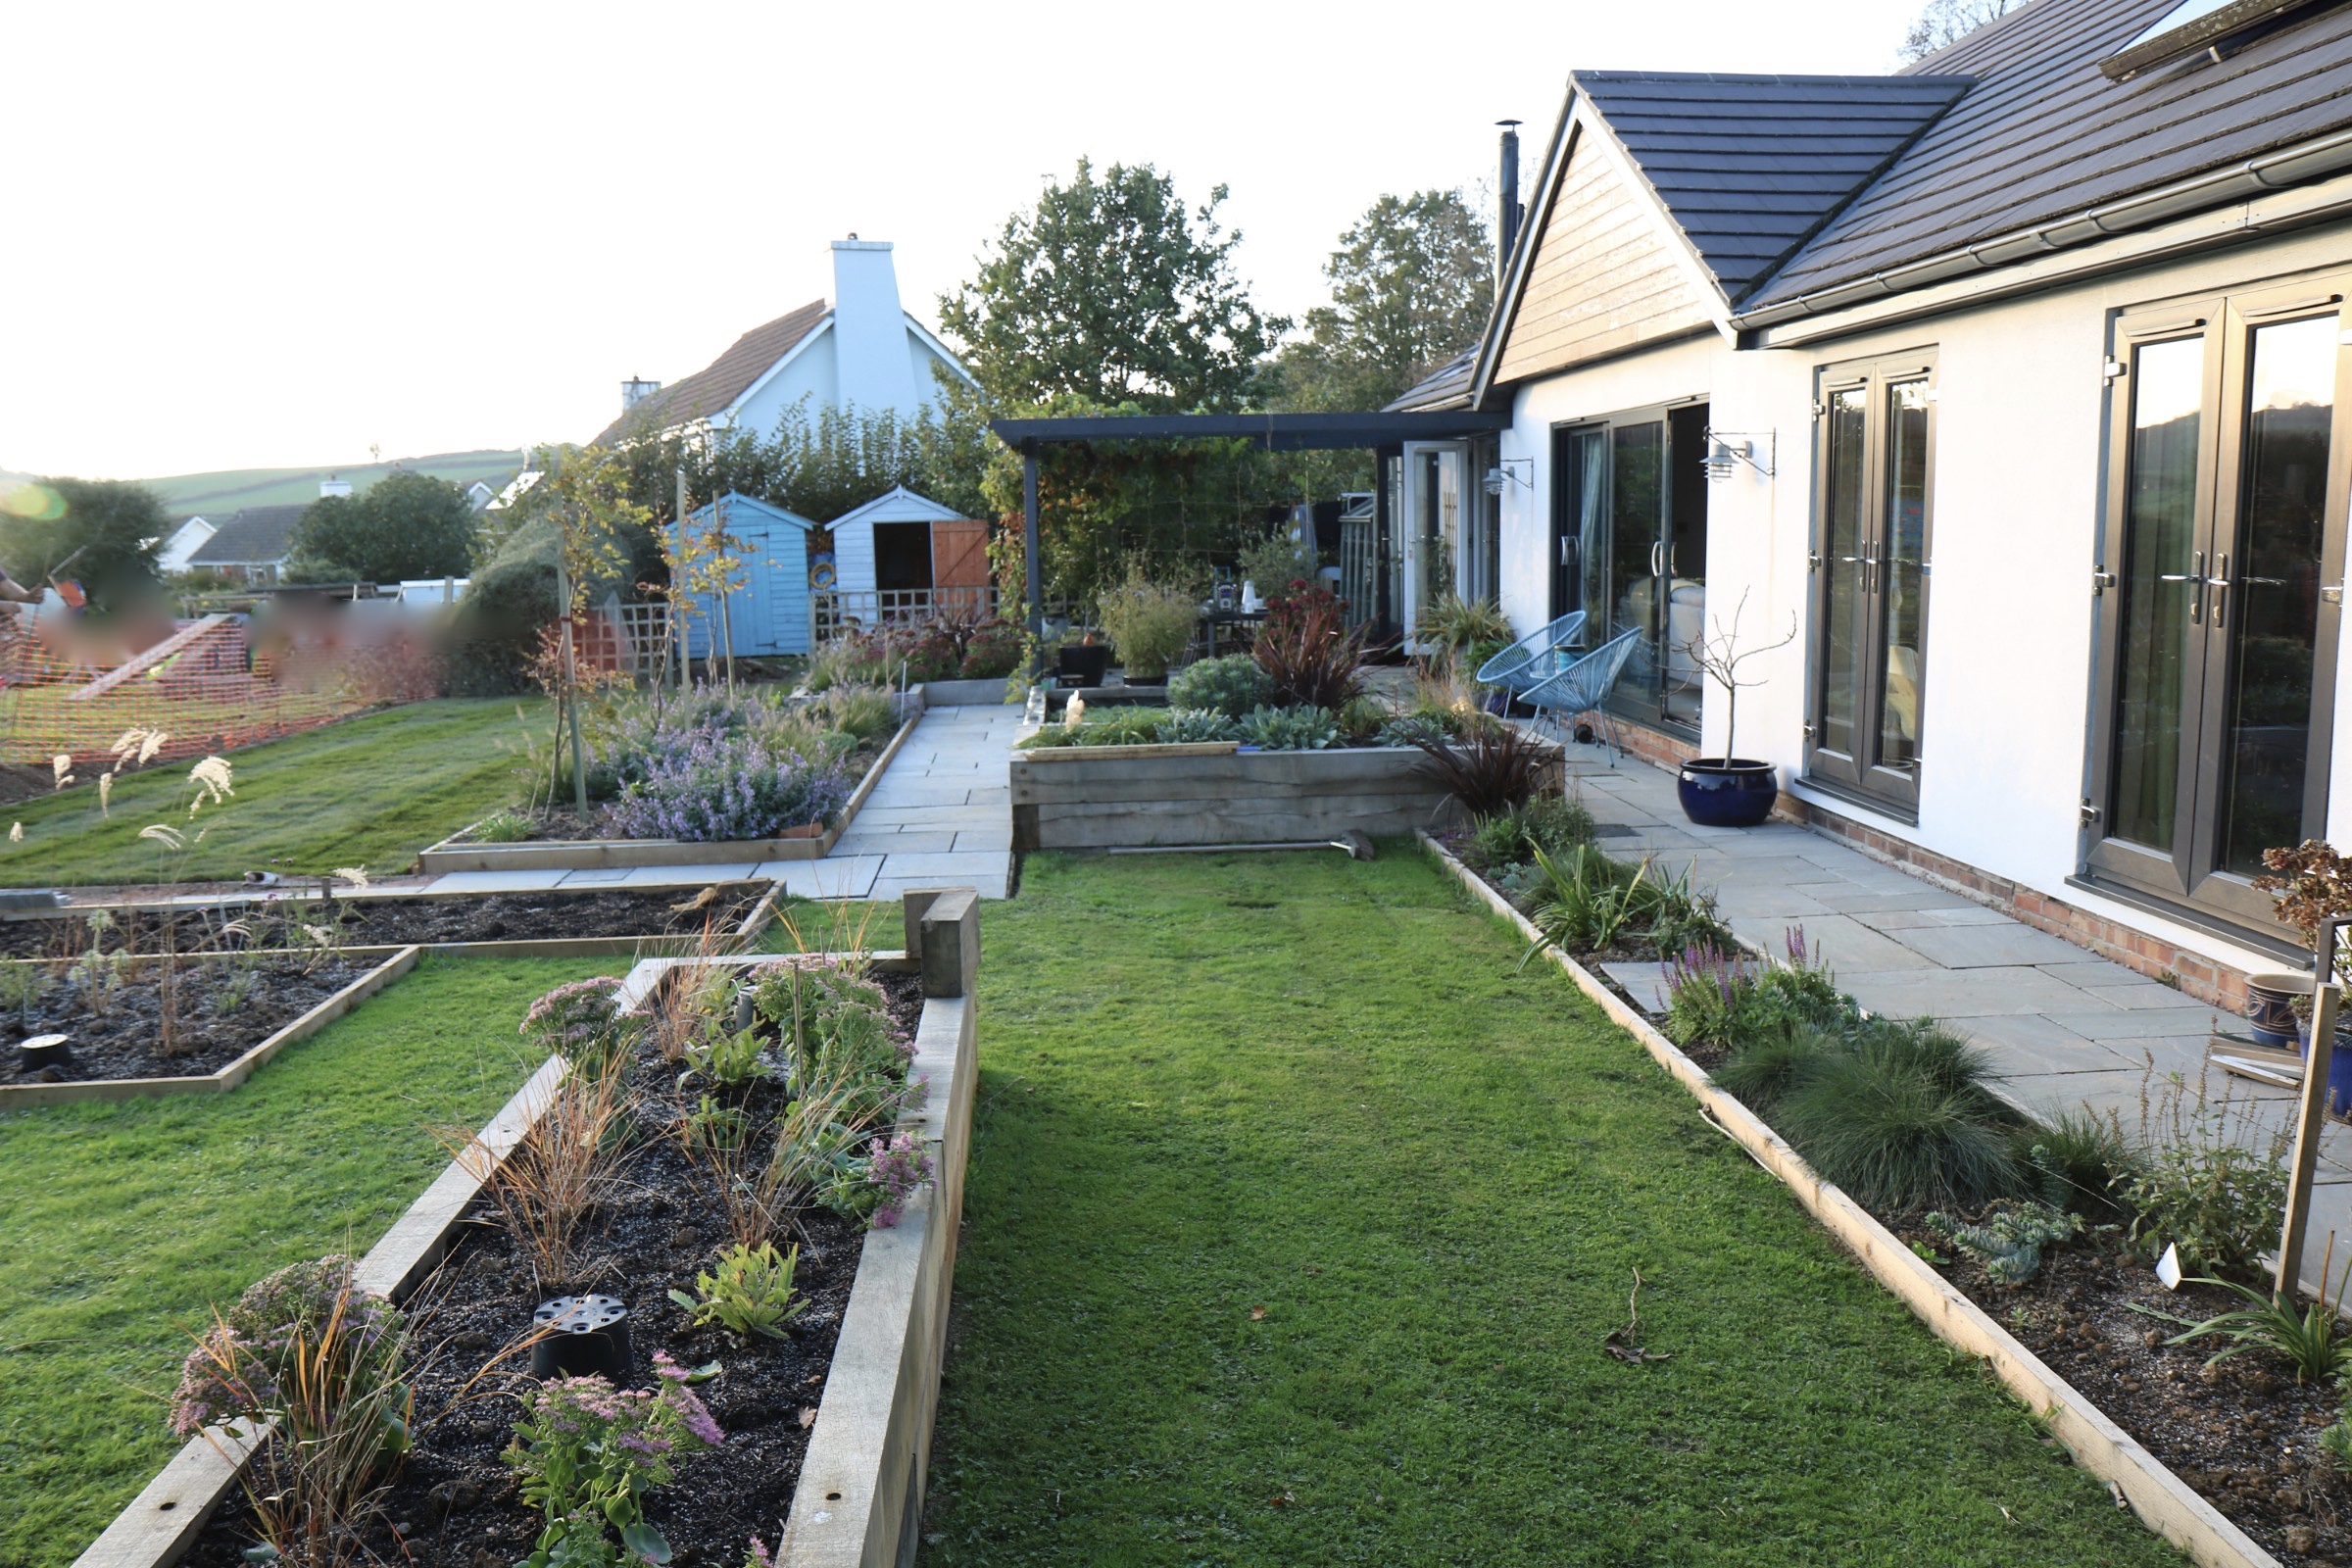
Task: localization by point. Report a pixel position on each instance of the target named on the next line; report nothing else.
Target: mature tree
(1945, 21)
(1110, 291)
(102, 533)
(1411, 285)
(404, 525)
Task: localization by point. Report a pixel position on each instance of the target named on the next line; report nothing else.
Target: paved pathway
(2064, 1026)
(941, 815)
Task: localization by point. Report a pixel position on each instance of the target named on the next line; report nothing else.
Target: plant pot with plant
(2313, 885)
(1730, 790)
(1150, 624)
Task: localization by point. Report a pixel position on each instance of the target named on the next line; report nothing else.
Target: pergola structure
(1383, 434)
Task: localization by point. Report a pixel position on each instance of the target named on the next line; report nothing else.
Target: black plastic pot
(46, 1051)
(589, 1337)
(1727, 792)
(1081, 666)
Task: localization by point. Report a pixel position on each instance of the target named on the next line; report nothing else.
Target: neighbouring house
(479, 495)
(250, 546)
(769, 614)
(862, 350)
(2015, 385)
(173, 553)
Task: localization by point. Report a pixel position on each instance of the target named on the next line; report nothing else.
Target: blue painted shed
(769, 613)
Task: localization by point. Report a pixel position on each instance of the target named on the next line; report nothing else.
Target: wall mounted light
(1727, 450)
(1506, 473)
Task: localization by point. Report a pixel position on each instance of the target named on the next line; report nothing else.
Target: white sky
(241, 236)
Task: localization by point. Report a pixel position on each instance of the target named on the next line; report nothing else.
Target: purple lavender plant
(897, 1169)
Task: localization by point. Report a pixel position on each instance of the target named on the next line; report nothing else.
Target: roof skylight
(2192, 25)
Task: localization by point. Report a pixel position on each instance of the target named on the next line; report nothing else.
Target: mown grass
(369, 790)
(124, 1223)
(1296, 1221)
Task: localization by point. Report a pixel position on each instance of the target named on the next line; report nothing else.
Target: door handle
(2194, 574)
(2219, 584)
(1657, 565)
(1564, 544)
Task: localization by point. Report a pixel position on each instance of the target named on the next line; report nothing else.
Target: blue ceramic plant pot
(1732, 793)
(2339, 1068)
(2269, 1006)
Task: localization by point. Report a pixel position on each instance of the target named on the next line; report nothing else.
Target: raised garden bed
(1095, 797)
(833, 1422)
(552, 922)
(2218, 1431)
(234, 1015)
(461, 851)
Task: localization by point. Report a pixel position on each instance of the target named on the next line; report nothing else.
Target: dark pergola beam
(1271, 432)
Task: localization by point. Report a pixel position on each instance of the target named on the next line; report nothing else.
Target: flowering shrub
(930, 656)
(240, 1368)
(579, 1023)
(587, 1453)
(727, 786)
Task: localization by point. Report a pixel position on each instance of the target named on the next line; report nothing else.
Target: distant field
(232, 488)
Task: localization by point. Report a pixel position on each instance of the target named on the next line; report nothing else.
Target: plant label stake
(2311, 1118)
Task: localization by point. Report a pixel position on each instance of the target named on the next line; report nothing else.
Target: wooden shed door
(960, 559)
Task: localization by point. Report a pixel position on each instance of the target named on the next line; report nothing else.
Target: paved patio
(2064, 1026)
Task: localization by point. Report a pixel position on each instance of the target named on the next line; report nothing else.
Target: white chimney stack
(633, 391)
(875, 361)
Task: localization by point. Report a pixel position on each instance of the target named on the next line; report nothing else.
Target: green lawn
(122, 1224)
(369, 791)
(1220, 1086)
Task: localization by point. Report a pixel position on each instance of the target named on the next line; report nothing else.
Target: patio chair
(1536, 656)
(1583, 687)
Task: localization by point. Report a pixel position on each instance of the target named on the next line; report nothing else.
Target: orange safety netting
(204, 685)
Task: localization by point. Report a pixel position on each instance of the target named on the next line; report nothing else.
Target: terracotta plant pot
(1727, 792)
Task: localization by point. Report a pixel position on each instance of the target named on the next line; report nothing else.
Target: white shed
(904, 553)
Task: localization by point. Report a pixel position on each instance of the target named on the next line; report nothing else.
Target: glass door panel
(1636, 492)
(1902, 576)
(1845, 511)
(2272, 629)
(2158, 587)
(1684, 687)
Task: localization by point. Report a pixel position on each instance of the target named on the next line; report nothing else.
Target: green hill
(229, 490)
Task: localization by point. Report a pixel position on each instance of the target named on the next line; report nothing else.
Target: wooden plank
(2163, 1503)
(179, 642)
(1116, 754)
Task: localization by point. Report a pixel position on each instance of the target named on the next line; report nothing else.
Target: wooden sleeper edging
(860, 1493)
(2162, 1500)
(18, 1096)
(163, 1519)
(589, 855)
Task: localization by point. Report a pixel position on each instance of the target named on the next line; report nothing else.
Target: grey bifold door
(2222, 591)
(1874, 456)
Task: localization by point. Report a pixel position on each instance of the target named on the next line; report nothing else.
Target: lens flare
(32, 499)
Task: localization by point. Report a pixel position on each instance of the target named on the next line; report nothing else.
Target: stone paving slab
(941, 815)
(1985, 946)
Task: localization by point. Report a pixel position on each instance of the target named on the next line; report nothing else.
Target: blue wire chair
(1583, 687)
(1536, 656)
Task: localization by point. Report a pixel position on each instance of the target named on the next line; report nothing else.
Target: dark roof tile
(2044, 135)
(256, 536)
(1748, 167)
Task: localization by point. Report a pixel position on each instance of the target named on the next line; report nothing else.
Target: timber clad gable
(1603, 278)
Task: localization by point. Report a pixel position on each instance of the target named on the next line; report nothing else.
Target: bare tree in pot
(1730, 790)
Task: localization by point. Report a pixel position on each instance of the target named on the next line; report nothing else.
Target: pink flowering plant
(877, 1184)
(587, 1453)
(580, 1023)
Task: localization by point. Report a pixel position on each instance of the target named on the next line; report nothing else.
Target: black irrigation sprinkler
(45, 1050)
(582, 1336)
